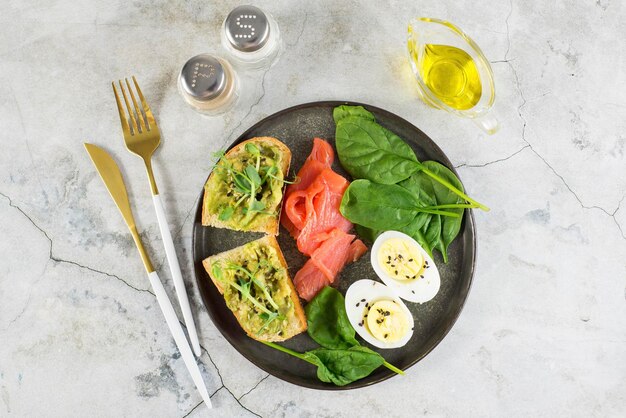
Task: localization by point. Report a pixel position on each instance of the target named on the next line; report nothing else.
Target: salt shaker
(208, 84)
(251, 37)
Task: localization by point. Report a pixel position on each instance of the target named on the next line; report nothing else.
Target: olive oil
(449, 73)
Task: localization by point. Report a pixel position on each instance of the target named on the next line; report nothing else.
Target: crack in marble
(263, 91)
(619, 226)
(195, 203)
(52, 257)
(494, 161)
(530, 146)
(25, 140)
(222, 384)
(508, 32)
(242, 120)
(580, 202)
(240, 404)
(19, 315)
(306, 18)
(219, 374)
(60, 260)
(213, 363)
(213, 394)
(254, 387)
(30, 294)
(194, 408)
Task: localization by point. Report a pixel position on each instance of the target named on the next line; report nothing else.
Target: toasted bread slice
(265, 261)
(216, 189)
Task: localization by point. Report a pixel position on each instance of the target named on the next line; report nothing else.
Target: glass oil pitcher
(451, 71)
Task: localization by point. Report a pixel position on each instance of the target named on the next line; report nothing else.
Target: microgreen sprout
(243, 285)
(249, 182)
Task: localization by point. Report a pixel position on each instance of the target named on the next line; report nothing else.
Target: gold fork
(142, 138)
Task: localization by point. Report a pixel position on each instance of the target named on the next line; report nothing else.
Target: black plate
(296, 127)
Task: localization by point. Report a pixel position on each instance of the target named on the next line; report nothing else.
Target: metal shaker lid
(247, 28)
(203, 77)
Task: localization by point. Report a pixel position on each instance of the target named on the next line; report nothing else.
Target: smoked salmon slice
(311, 215)
(326, 263)
(323, 198)
(321, 157)
(309, 280)
(356, 250)
(333, 254)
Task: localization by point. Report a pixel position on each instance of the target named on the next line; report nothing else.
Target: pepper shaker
(208, 84)
(251, 37)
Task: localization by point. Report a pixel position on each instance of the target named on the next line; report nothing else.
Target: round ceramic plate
(296, 127)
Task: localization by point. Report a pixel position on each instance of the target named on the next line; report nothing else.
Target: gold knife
(114, 182)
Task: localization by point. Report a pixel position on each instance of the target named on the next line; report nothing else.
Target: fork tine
(137, 110)
(146, 109)
(130, 111)
(120, 108)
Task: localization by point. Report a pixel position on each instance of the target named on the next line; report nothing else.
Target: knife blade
(112, 177)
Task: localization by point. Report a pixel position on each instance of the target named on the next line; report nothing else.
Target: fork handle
(177, 275)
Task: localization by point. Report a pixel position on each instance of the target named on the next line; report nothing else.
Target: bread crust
(297, 326)
(272, 226)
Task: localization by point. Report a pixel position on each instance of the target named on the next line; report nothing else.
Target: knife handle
(177, 275)
(179, 336)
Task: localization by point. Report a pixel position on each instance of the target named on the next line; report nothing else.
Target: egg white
(368, 292)
(419, 290)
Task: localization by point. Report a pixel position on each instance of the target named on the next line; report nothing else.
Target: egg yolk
(401, 259)
(386, 321)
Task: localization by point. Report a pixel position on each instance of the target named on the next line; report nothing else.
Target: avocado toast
(245, 189)
(256, 286)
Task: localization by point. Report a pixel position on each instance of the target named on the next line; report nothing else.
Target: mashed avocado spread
(245, 190)
(256, 288)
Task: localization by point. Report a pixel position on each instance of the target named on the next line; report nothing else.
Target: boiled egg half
(404, 266)
(378, 315)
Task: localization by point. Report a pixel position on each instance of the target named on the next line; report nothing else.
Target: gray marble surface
(543, 332)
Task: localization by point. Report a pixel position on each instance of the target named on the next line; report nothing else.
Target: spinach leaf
(432, 233)
(450, 226)
(340, 366)
(341, 112)
(431, 211)
(440, 230)
(385, 206)
(341, 359)
(343, 366)
(328, 322)
(427, 231)
(378, 206)
(418, 206)
(368, 151)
